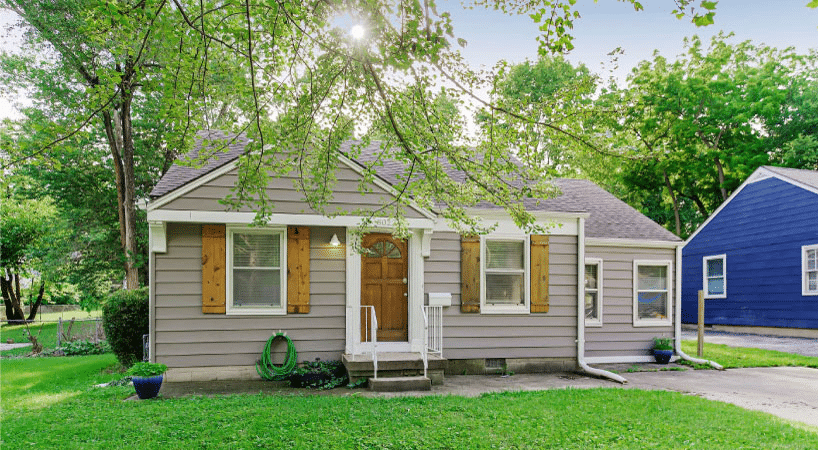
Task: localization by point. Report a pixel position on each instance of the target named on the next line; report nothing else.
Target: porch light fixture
(334, 241)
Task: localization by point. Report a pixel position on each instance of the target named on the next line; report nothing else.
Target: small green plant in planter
(662, 349)
(147, 378)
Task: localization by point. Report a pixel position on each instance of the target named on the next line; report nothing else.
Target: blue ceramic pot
(662, 356)
(147, 387)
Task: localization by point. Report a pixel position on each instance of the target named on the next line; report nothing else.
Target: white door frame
(415, 270)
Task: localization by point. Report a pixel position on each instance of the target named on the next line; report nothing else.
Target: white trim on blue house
(805, 291)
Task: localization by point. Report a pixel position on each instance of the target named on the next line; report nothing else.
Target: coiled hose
(265, 367)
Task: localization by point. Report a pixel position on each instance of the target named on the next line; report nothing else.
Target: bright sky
(609, 24)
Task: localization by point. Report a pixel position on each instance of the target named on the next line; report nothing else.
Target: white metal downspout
(583, 366)
(678, 321)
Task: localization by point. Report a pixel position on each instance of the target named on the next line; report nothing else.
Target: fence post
(59, 334)
(700, 348)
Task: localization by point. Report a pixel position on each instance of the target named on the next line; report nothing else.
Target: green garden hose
(265, 367)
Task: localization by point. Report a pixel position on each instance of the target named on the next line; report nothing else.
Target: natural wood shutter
(539, 274)
(470, 274)
(214, 266)
(298, 270)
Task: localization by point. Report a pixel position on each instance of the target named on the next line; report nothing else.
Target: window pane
(256, 287)
(812, 282)
(591, 309)
(652, 305)
(256, 250)
(812, 259)
(591, 276)
(504, 289)
(715, 286)
(504, 255)
(715, 267)
(652, 278)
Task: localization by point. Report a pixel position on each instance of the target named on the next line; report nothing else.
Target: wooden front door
(384, 283)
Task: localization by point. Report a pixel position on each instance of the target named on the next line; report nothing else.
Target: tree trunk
(720, 169)
(34, 307)
(675, 204)
(11, 297)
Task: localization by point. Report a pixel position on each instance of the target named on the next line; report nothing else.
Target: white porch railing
(432, 334)
(370, 322)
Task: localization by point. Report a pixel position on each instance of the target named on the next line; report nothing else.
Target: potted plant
(662, 349)
(147, 378)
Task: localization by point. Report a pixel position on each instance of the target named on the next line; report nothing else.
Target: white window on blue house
(809, 272)
(256, 274)
(652, 298)
(593, 292)
(714, 276)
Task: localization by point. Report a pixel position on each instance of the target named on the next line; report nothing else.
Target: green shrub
(82, 348)
(125, 320)
(146, 369)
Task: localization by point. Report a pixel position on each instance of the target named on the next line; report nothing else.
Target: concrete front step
(400, 384)
(392, 365)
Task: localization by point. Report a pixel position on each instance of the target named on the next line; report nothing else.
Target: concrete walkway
(800, 346)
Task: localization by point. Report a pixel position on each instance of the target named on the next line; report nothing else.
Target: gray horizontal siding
(287, 197)
(185, 337)
(618, 337)
(542, 335)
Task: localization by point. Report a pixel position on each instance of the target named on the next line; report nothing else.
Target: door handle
(406, 294)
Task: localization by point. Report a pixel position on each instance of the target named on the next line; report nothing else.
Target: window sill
(484, 309)
(593, 324)
(256, 312)
(707, 297)
(653, 323)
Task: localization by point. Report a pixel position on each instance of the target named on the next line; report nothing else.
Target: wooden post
(700, 349)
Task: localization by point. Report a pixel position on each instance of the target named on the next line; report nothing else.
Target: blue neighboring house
(756, 257)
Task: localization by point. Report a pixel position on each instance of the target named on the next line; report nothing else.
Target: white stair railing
(371, 325)
(432, 333)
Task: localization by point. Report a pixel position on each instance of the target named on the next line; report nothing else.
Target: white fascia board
(185, 188)
(612, 242)
(381, 183)
(760, 174)
(234, 217)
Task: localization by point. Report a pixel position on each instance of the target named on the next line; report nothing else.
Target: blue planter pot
(662, 356)
(147, 387)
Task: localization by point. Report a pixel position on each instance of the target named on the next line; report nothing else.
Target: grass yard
(45, 328)
(49, 403)
(737, 357)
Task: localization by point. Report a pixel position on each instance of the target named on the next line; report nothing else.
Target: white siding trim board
(246, 218)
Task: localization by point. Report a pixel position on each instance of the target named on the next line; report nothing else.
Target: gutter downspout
(678, 321)
(583, 366)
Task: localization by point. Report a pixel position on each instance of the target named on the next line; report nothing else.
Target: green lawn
(49, 403)
(737, 357)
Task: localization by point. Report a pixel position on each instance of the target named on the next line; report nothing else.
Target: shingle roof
(808, 177)
(609, 217)
(216, 141)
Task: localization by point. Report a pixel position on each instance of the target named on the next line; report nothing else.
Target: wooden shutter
(298, 270)
(214, 267)
(539, 274)
(470, 274)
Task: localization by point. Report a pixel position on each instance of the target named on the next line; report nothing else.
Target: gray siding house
(596, 289)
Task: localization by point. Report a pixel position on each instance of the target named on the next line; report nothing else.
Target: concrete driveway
(787, 392)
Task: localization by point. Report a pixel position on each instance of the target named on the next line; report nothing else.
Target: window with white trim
(256, 271)
(505, 275)
(652, 293)
(593, 292)
(714, 276)
(809, 269)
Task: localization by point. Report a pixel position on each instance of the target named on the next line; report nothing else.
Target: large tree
(690, 131)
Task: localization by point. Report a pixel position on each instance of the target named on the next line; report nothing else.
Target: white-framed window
(809, 269)
(256, 271)
(504, 268)
(593, 292)
(652, 298)
(714, 276)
